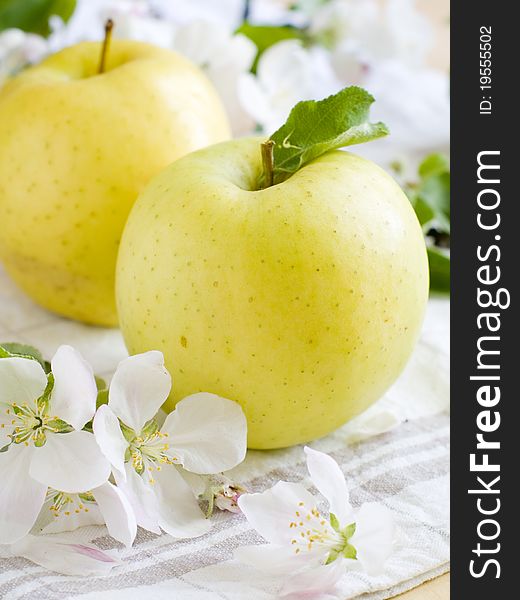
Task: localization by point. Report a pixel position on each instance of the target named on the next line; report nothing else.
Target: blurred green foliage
(265, 36)
(430, 197)
(33, 15)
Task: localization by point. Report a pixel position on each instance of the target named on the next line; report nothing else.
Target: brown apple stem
(268, 162)
(109, 25)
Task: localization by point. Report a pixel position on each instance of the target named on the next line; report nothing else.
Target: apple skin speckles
(302, 301)
(92, 149)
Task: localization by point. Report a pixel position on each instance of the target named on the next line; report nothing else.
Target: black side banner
(485, 330)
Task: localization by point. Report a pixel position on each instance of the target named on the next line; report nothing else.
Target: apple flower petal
(117, 513)
(110, 437)
(57, 553)
(71, 462)
(316, 583)
(330, 482)
(76, 512)
(272, 512)
(272, 559)
(374, 536)
(142, 499)
(74, 394)
(207, 433)
(197, 483)
(22, 380)
(21, 497)
(138, 389)
(178, 511)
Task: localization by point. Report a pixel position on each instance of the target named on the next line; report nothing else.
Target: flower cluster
(71, 456)
(66, 464)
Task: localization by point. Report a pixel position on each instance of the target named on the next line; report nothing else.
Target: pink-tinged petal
(70, 462)
(330, 482)
(374, 536)
(74, 394)
(21, 497)
(142, 499)
(58, 554)
(314, 583)
(138, 389)
(272, 512)
(117, 513)
(110, 437)
(22, 380)
(207, 433)
(179, 512)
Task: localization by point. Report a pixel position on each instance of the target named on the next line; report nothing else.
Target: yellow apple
(76, 148)
(301, 301)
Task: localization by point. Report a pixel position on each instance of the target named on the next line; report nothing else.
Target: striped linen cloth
(397, 454)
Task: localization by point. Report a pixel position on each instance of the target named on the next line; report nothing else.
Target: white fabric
(405, 468)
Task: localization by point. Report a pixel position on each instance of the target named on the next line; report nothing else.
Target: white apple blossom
(415, 104)
(224, 57)
(18, 49)
(368, 32)
(135, 20)
(105, 505)
(58, 553)
(41, 437)
(286, 73)
(204, 434)
(311, 550)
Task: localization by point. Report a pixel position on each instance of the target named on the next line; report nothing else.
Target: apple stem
(109, 25)
(268, 162)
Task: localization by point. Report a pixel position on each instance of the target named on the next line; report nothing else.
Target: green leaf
(39, 437)
(333, 555)
(334, 523)
(59, 426)
(431, 197)
(8, 349)
(102, 396)
(265, 36)
(350, 552)
(43, 401)
(349, 531)
(100, 383)
(315, 127)
(434, 164)
(33, 15)
(150, 427)
(128, 432)
(24, 350)
(439, 270)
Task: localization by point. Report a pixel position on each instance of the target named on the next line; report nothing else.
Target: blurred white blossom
(414, 102)
(225, 58)
(286, 73)
(17, 49)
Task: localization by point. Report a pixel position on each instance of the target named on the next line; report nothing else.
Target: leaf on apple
(315, 127)
(33, 15)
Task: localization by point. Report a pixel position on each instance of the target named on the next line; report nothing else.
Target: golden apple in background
(76, 148)
(301, 301)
